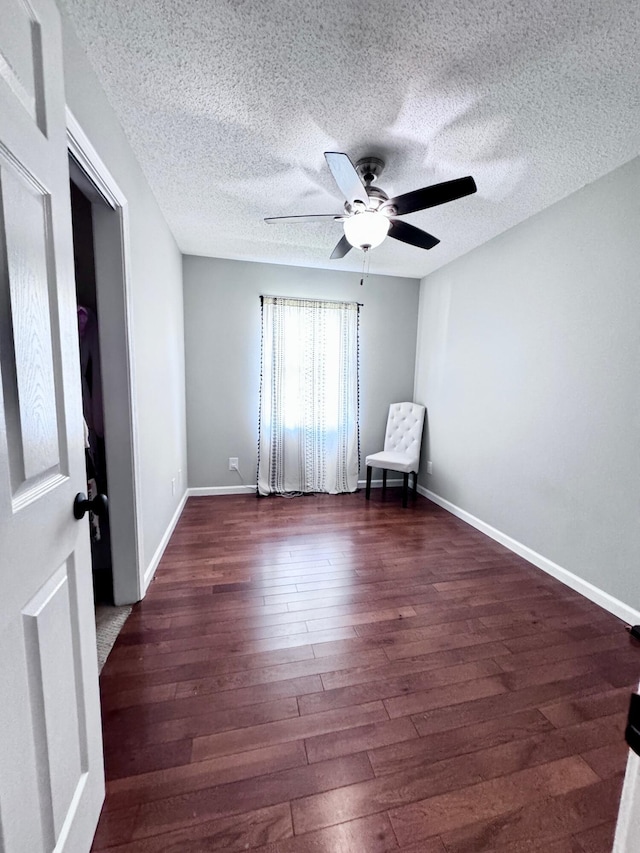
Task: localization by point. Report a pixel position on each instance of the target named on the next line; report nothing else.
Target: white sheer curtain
(309, 433)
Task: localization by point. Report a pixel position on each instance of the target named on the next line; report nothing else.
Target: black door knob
(81, 505)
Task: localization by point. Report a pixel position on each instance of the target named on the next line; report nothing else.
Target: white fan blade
(346, 177)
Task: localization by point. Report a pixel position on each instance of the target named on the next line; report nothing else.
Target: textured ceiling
(230, 104)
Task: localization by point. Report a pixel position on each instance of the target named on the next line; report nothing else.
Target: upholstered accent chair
(402, 442)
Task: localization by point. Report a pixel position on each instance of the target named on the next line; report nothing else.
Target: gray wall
(157, 308)
(222, 344)
(529, 363)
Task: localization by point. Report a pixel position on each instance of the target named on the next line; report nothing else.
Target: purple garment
(90, 370)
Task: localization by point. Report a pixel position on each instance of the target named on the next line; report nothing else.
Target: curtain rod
(311, 299)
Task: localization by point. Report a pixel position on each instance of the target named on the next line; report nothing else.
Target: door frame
(628, 823)
(110, 213)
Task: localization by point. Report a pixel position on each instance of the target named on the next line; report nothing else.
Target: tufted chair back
(404, 428)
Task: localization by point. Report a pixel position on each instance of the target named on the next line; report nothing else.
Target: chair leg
(384, 481)
(368, 491)
(415, 484)
(405, 488)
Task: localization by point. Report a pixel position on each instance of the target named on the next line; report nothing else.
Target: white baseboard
(593, 593)
(249, 489)
(155, 560)
(377, 484)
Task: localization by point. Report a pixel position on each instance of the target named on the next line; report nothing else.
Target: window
(309, 432)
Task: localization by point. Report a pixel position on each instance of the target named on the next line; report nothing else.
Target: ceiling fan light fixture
(366, 230)
(369, 213)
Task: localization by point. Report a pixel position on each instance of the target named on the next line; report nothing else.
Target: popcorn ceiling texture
(230, 104)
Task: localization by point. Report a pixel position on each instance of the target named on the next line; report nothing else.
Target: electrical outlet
(173, 486)
(429, 467)
(233, 463)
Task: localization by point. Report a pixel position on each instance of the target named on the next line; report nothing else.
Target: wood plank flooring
(326, 674)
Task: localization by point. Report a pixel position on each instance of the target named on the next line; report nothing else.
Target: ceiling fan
(369, 213)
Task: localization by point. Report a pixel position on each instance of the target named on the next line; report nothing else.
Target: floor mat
(109, 622)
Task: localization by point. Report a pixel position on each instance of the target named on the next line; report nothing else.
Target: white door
(627, 838)
(51, 772)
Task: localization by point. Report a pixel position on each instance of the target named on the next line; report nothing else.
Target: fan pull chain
(365, 266)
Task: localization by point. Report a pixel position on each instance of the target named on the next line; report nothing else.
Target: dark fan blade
(412, 235)
(314, 217)
(341, 249)
(432, 196)
(346, 177)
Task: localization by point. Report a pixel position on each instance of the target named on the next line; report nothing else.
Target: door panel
(27, 358)
(53, 698)
(51, 779)
(21, 63)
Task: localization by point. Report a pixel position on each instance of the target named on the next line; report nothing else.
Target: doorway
(92, 394)
(100, 219)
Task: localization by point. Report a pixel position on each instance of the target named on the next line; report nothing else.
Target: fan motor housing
(377, 199)
(369, 169)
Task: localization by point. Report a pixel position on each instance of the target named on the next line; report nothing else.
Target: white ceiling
(230, 104)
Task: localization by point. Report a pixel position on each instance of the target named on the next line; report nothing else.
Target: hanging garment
(90, 370)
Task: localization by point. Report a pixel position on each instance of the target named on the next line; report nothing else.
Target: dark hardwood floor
(326, 674)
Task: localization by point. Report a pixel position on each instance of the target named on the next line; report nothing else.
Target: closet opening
(92, 392)
(100, 218)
